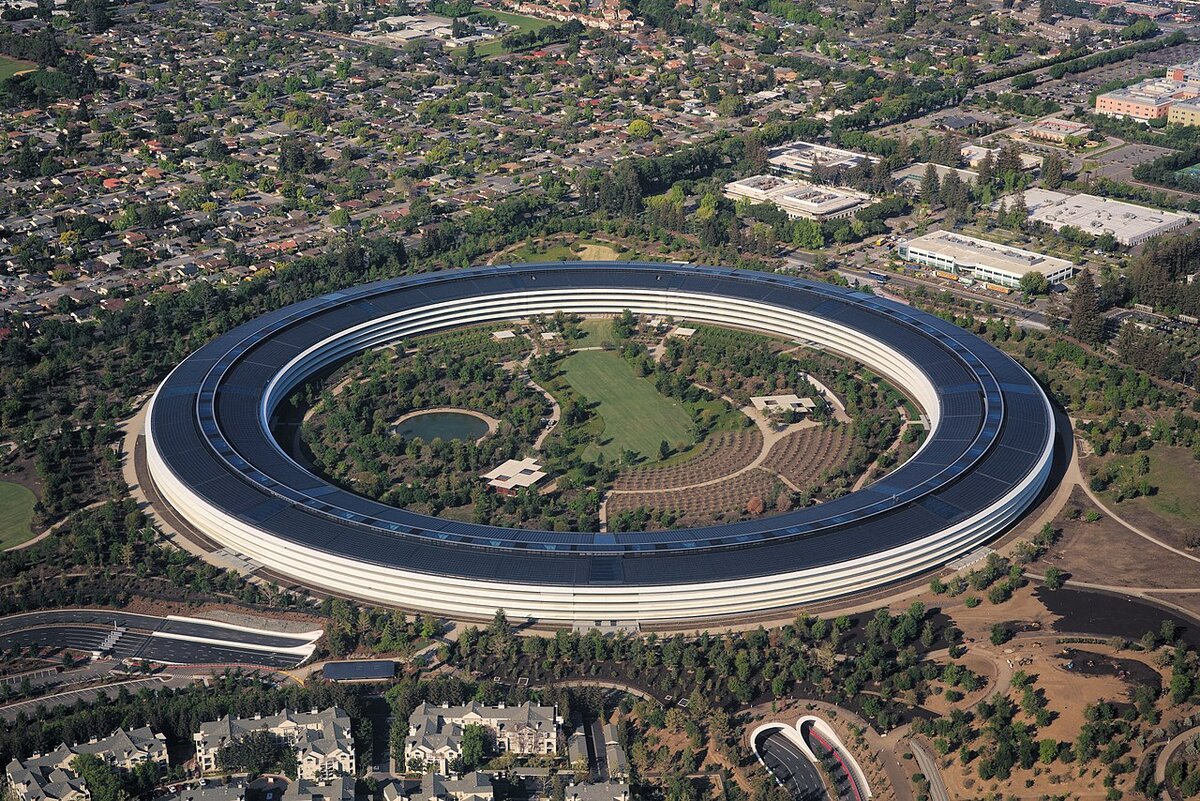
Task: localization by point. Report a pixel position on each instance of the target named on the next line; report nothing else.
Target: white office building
(993, 263)
(797, 199)
(1129, 224)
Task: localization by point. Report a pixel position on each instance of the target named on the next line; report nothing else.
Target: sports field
(636, 417)
(520, 22)
(16, 514)
(11, 66)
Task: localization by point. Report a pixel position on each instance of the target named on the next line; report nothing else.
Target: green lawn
(596, 333)
(521, 22)
(1175, 473)
(16, 514)
(11, 66)
(636, 417)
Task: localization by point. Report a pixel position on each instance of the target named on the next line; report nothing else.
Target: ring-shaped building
(212, 456)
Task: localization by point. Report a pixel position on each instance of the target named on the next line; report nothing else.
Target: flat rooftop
(515, 474)
(1098, 215)
(806, 156)
(969, 251)
(360, 670)
(796, 197)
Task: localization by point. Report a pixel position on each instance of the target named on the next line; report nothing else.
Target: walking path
(1144, 535)
(1164, 756)
(770, 437)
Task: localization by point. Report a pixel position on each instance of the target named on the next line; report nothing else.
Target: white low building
(1129, 224)
(322, 740)
(435, 733)
(802, 158)
(798, 199)
(982, 260)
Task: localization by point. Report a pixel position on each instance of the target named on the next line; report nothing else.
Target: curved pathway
(1164, 756)
(769, 439)
(1143, 534)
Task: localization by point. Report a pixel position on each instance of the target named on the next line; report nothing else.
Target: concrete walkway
(1164, 756)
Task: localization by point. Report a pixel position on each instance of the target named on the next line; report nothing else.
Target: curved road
(791, 768)
(162, 639)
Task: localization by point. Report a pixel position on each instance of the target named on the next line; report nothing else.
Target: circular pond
(444, 425)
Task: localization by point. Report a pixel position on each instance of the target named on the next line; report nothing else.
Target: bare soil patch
(1105, 552)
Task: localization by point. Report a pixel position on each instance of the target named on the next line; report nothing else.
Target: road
(928, 765)
(791, 768)
(89, 694)
(167, 640)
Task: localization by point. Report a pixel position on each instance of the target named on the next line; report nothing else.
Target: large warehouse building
(797, 199)
(212, 456)
(1129, 224)
(982, 260)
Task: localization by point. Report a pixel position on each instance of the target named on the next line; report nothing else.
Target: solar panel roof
(205, 420)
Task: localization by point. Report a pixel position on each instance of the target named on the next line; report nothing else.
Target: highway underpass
(791, 768)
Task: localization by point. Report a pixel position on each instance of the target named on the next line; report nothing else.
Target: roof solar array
(993, 424)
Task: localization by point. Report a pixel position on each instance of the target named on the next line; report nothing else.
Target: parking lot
(1118, 164)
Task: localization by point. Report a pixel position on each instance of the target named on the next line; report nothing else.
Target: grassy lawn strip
(11, 66)
(596, 333)
(636, 417)
(16, 514)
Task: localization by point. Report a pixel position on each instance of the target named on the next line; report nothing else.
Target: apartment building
(435, 732)
(323, 742)
(50, 777)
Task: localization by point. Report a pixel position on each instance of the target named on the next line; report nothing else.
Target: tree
(1052, 171)
(102, 781)
(1086, 323)
(641, 129)
(1048, 751)
(930, 184)
(256, 752)
(474, 745)
(1054, 578)
(1000, 634)
(664, 449)
(1034, 283)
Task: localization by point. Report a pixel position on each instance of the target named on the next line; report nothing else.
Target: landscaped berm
(16, 514)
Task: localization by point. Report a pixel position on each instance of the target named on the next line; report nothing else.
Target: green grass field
(636, 417)
(521, 22)
(11, 66)
(596, 333)
(16, 514)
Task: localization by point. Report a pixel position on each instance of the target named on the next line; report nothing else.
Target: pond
(429, 426)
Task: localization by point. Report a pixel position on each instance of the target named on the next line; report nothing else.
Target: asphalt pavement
(167, 640)
(791, 768)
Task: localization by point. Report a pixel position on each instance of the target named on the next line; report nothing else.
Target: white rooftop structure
(974, 155)
(982, 260)
(515, 474)
(910, 178)
(789, 403)
(1129, 224)
(797, 199)
(500, 336)
(801, 158)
